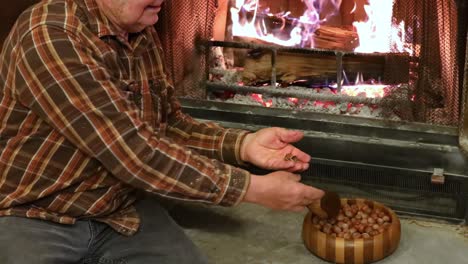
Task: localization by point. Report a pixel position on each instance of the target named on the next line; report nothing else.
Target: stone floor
(250, 234)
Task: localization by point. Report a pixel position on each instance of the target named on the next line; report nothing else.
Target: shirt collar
(103, 27)
(98, 22)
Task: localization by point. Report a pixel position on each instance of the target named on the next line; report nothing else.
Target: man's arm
(62, 82)
(207, 138)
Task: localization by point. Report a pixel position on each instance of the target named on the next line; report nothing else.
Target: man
(88, 120)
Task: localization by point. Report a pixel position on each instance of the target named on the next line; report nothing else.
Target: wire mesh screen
(181, 22)
(407, 191)
(434, 25)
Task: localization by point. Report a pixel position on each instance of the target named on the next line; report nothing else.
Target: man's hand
(281, 190)
(271, 149)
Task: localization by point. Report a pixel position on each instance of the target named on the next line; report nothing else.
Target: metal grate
(441, 207)
(409, 191)
(380, 176)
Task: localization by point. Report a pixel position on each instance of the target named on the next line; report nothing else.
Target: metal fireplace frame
(416, 168)
(419, 169)
(401, 164)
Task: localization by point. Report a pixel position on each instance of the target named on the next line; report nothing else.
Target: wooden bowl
(358, 250)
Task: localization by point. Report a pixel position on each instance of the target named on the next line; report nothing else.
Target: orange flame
(378, 34)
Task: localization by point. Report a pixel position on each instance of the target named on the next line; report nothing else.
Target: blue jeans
(159, 240)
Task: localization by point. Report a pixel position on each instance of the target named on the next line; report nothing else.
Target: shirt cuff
(231, 146)
(236, 188)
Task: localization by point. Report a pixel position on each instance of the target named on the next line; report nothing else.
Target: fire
(256, 27)
(379, 33)
(360, 88)
(365, 90)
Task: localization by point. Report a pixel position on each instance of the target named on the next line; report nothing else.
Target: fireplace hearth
(388, 125)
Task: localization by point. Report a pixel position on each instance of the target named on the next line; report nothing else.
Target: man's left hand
(271, 149)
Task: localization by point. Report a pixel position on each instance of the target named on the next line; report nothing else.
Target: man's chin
(139, 28)
(150, 20)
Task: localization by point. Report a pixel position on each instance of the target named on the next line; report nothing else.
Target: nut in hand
(290, 156)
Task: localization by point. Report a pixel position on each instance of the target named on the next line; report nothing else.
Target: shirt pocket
(158, 92)
(131, 91)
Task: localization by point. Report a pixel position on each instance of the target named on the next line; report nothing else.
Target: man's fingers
(299, 166)
(290, 164)
(300, 156)
(298, 209)
(295, 177)
(312, 193)
(290, 136)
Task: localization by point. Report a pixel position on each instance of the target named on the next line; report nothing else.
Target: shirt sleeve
(61, 79)
(207, 138)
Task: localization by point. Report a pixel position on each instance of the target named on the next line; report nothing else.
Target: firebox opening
(310, 80)
(405, 53)
(380, 51)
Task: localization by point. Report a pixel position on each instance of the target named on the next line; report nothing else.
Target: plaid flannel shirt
(88, 118)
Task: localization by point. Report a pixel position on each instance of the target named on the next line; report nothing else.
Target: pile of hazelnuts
(354, 221)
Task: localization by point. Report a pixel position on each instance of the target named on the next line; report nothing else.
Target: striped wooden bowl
(360, 250)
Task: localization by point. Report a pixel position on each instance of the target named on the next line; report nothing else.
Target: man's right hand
(281, 190)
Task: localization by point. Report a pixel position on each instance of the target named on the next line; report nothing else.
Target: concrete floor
(250, 234)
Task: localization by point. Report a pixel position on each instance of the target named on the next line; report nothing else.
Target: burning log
(293, 65)
(324, 37)
(221, 20)
(334, 38)
(320, 66)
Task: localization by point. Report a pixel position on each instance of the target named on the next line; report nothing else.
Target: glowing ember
(369, 90)
(259, 98)
(365, 90)
(293, 100)
(323, 104)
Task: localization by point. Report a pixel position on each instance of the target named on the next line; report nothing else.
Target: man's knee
(186, 252)
(180, 254)
(23, 250)
(17, 243)
(25, 240)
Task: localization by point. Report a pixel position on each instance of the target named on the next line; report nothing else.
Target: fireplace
(383, 113)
